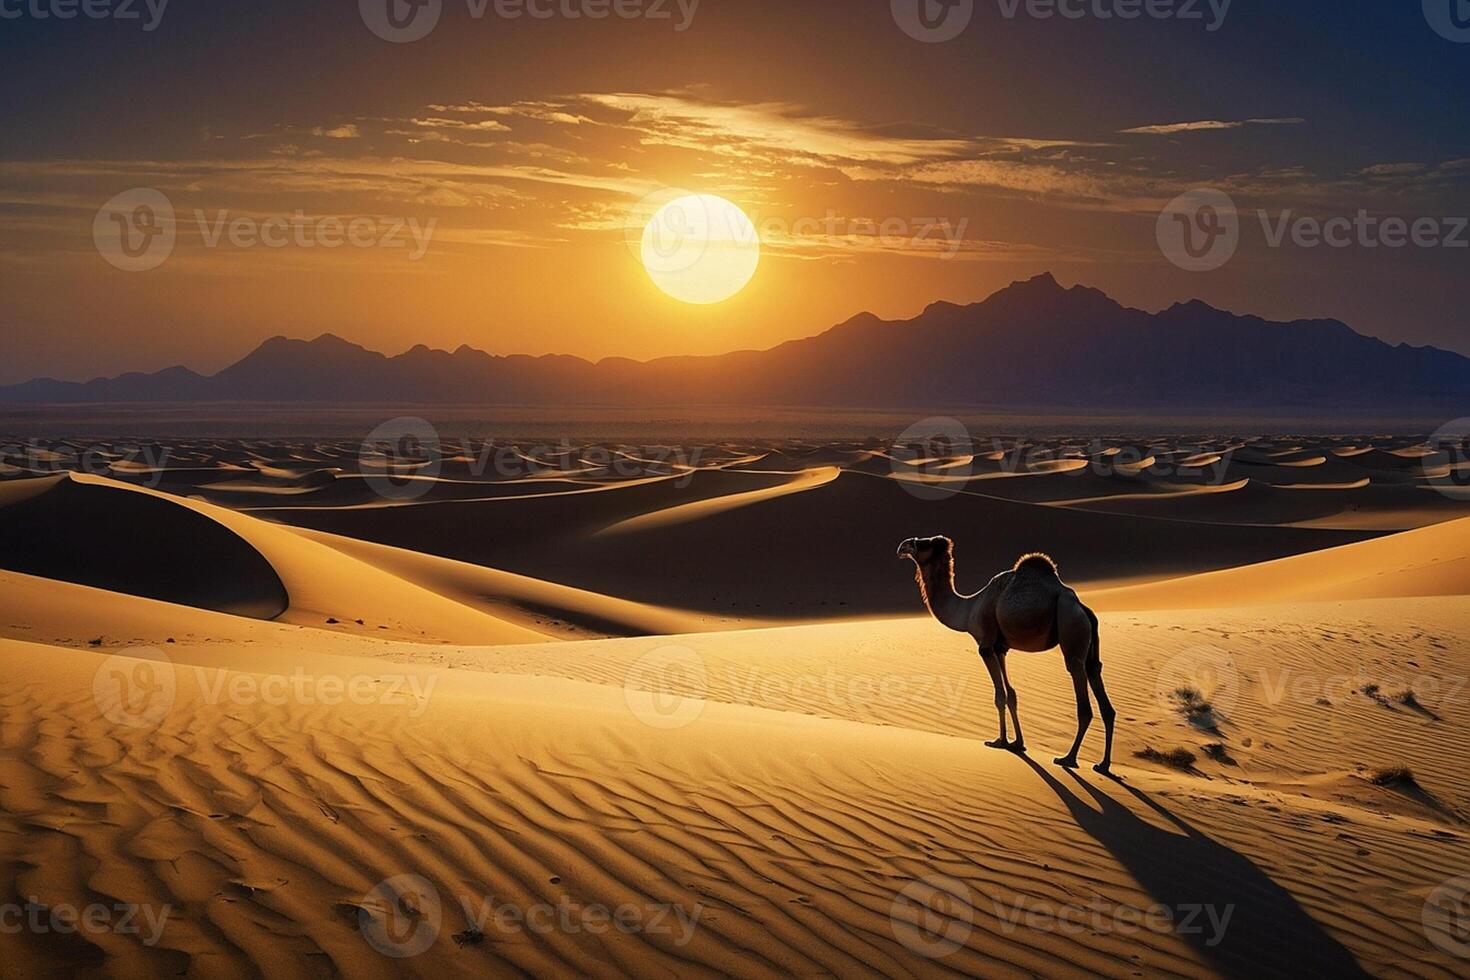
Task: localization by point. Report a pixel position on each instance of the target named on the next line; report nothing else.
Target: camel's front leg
(997, 677)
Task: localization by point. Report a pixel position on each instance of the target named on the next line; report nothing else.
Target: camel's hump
(1036, 562)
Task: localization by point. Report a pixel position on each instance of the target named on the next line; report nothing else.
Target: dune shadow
(1200, 882)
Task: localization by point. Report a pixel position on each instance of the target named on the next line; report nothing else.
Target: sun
(700, 248)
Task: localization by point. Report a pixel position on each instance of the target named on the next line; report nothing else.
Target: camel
(1027, 608)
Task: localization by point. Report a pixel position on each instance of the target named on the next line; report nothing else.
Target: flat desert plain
(314, 707)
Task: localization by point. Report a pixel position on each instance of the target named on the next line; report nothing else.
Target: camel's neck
(936, 584)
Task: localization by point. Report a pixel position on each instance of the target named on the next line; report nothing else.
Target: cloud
(460, 132)
(1060, 185)
(1206, 125)
(388, 178)
(763, 129)
(1392, 169)
(551, 112)
(347, 131)
(481, 125)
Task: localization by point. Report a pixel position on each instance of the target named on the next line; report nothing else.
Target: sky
(481, 172)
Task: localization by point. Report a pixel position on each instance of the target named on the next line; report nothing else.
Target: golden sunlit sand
(490, 770)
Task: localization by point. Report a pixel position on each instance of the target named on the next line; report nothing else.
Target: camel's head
(925, 550)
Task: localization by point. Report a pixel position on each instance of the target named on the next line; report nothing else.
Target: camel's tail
(1094, 655)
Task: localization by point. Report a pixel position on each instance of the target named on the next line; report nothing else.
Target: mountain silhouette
(1033, 345)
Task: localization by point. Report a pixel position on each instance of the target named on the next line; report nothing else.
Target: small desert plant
(1375, 692)
(1218, 752)
(1199, 712)
(1410, 700)
(1391, 776)
(1189, 695)
(1176, 758)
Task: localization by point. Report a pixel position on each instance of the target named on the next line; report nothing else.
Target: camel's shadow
(1197, 878)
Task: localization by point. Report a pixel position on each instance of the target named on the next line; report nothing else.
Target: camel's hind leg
(1075, 629)
(1078, 670)
(1019, 745)
(1104, 705)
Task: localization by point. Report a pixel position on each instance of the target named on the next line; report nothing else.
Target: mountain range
(1033, 345)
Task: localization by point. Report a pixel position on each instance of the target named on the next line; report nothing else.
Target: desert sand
(685, 716)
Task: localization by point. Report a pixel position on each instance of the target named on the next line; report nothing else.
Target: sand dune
(540, 605)
(832, 544)
(773, 829)
(803, 481)
(63, 614)
(1430, 561)
(770, 779)
(87, 530)
(355, 490)
(321, 581)
(1359, 505)
(328, 588)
